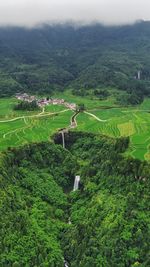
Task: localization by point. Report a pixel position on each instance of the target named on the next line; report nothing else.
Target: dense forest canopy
(24, 105)
(59, 56)
(104, 223)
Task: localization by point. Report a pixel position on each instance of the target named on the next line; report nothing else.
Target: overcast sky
(31, 12)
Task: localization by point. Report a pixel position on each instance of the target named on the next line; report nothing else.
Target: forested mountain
(47, 58)
(103, 224)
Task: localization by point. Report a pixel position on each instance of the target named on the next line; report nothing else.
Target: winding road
(94, 116)
(41, 114)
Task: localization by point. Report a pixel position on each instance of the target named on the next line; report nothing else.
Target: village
(45, 101)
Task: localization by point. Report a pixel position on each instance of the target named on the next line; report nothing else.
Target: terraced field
(18, 128)
(122, 122)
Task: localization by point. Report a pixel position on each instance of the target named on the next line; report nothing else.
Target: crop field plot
(54, 108)
(21, 127)
(126, 129)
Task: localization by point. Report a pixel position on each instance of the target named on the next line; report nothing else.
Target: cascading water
(63, 139)
(75, 187)
(76, 183)
(66, 264)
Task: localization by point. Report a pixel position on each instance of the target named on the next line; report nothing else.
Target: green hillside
(51, 58)
(109, 222)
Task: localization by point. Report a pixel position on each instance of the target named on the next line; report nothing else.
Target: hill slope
(49, 57)
(109, 216)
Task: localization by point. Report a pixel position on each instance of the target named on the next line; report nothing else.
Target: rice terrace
(102, 117)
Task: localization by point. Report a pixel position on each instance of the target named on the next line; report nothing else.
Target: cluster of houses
(46, 101)
(25, 97)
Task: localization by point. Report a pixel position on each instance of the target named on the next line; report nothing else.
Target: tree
(81, 107)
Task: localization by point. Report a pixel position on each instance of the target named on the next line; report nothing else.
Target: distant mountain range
(55, 57)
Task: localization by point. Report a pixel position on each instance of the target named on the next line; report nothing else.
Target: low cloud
(31, 12)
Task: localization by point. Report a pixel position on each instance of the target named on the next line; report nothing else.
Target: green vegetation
(27, 130)
(33, 204)
(20, 127)
(81, 107)
(105, 223)
(7, 109)
(24, 105)
(101, 94)
(109, 217)
(52, 58)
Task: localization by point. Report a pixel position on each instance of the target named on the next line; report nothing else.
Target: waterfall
(66, 264)
(69, 221)
(63, 139)
(76, 183)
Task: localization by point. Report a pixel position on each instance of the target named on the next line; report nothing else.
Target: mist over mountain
(55, 57)
(31, 12)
